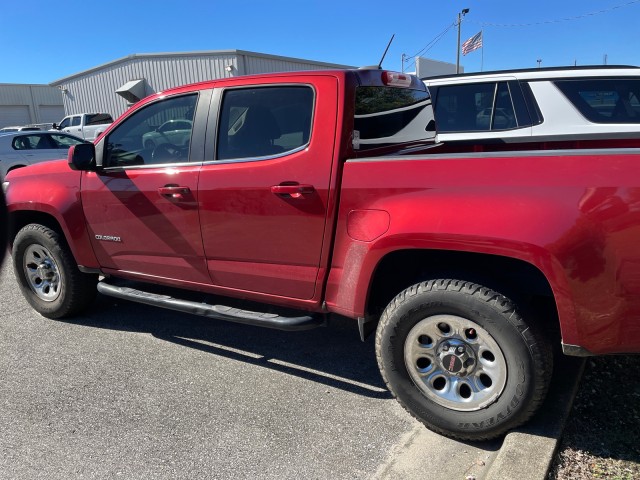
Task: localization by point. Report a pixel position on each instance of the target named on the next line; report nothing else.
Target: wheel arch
(542, 289)
(79, 245)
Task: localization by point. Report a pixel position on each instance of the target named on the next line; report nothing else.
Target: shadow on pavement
(332, 355)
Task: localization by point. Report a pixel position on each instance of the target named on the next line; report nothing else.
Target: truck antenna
(385, 52)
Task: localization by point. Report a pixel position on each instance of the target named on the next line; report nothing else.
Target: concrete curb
(524, 454)
(527, 453)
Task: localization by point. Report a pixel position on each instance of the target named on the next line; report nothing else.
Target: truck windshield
(386, 116)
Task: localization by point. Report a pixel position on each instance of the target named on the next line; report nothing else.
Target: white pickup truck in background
(85, 125)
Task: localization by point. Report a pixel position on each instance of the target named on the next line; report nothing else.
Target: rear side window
(264, 121)
(386, 116)
(475, 107)
(75, 121)
(98, 119)
(610, 100)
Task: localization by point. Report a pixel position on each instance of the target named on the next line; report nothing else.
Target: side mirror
(82, 157)
(55, 126)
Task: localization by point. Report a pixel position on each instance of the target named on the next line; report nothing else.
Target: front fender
(51, 189)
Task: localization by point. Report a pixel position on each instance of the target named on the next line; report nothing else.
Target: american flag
(472, 44)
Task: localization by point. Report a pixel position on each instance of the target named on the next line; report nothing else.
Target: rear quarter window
(609, 100)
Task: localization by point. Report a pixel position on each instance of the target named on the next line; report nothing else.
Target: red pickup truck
(321, 193)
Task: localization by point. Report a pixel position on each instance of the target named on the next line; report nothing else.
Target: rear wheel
(462, 359)
(48, 275)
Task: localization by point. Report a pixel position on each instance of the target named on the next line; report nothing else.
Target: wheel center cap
(452, 363)
(456, 357)
(44, 270)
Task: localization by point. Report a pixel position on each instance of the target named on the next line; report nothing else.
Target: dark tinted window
(75, 121)
(504, 116)
(388, 116)
(137, 141)
(474, 107)
(98, 119)
(259, 122)
(611, 100)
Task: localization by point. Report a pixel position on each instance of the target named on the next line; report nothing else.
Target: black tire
(48, 274)
(461, 359)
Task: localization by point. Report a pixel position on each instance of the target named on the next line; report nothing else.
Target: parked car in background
(19, 149)
(175, 132)
(546, 104)
(85, 125)
(18, 129)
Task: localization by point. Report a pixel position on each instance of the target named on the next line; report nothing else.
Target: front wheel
(47, 273)
(461, 359)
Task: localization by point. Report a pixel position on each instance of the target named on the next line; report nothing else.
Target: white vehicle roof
(538, 74)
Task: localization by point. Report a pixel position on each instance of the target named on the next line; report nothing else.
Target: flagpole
(482, 58)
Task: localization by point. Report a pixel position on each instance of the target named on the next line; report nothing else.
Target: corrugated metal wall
(94, 91)
(38, 100)
(264, 64)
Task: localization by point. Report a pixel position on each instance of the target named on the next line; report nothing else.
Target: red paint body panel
(54, 189)
(259, 240)
(574, 217)
(157, 235)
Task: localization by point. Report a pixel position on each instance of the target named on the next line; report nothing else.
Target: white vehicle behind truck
(85, 125)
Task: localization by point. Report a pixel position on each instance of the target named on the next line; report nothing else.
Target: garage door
(51, 113)
(14, 115)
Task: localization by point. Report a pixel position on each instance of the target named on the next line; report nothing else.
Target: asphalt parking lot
(129, 391)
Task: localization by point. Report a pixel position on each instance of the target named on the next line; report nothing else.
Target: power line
(428, 46)
(566, 19)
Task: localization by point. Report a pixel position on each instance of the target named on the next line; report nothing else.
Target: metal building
(29, 104)
(114, 86)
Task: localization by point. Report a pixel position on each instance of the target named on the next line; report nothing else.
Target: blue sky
(49, 40)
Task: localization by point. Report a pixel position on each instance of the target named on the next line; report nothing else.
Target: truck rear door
(264, 186)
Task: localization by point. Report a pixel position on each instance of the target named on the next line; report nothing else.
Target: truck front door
(141, 208)
(264, 190)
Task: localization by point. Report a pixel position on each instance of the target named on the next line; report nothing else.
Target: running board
(219, 312)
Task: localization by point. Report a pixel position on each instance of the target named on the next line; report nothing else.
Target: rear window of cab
(387, 116)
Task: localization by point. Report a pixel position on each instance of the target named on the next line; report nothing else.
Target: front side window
(386, 116)
(265, 121)
(142, 140)
(65, 123)
(610, 100)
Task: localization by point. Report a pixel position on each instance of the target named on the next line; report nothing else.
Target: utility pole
(539, 62)
(460, 15)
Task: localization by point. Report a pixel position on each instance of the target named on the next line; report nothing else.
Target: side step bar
(219, 312)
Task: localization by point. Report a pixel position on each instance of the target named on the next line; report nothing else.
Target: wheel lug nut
(445, 346)
(460, 349)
